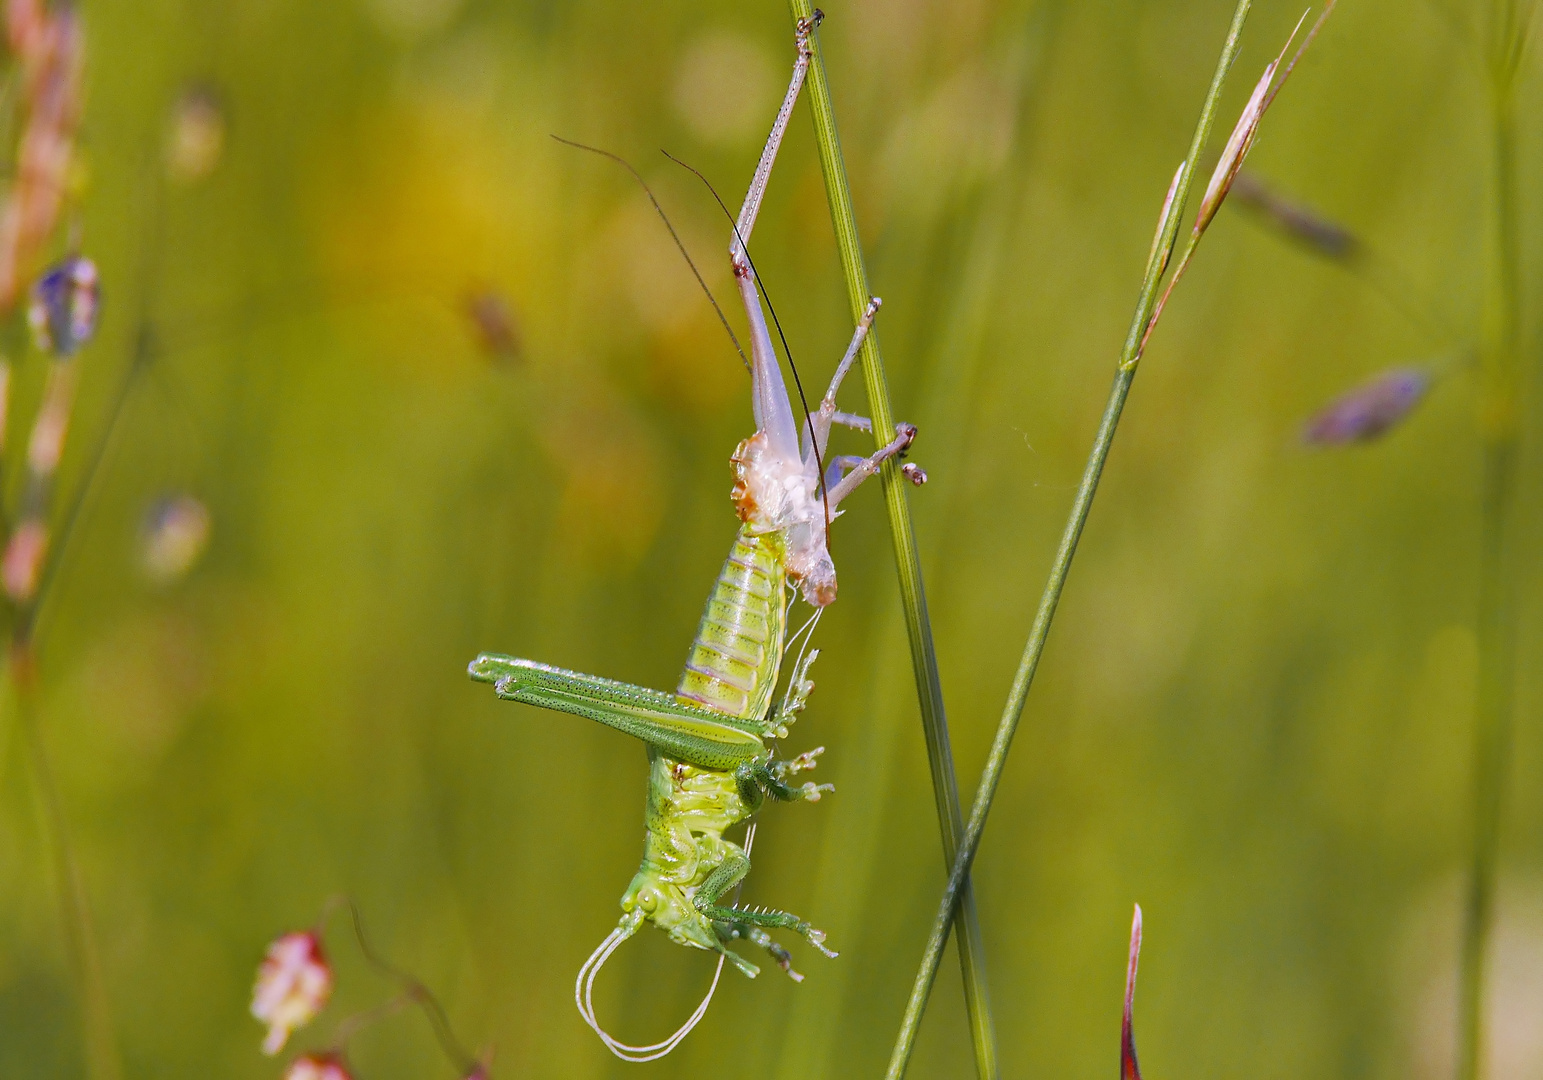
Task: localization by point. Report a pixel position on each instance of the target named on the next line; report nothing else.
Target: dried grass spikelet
(173, 536)
(196, 136)
(1241, 141)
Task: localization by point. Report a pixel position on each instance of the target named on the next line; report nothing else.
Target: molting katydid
(711, 761)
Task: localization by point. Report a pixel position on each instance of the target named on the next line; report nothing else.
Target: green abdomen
(738, 647)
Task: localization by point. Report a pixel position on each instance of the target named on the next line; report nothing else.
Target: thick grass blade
(1501, 410)
(913, 595)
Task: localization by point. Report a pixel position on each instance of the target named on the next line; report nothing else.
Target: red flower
(317, 1067)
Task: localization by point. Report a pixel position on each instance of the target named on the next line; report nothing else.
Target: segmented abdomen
(738, 647)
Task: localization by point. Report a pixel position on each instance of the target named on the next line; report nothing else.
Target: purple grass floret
(64, 306)
(1304, 225)
(1370, 410)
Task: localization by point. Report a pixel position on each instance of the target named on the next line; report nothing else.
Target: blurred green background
(1254, 714)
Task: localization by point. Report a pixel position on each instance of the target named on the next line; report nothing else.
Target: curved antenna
(798, 383)
(624, 163)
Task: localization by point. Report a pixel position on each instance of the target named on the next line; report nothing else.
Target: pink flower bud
(293, 985)
(23, 560)
(317, 1067)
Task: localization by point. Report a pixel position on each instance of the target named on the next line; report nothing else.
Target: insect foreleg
(781, 956)
(827, 414)
(730, 873)
(756, 777)
(784, 769)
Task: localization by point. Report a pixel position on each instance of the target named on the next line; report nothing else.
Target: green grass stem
(1499, 431)
(1125, 374)
(100, 1043)
(929, 687)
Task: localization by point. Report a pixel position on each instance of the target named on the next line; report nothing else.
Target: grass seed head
(22, 563)
(1241, 141)
(63, 308)
(1300, 223)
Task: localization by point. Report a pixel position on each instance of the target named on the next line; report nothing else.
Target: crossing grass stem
(1125, 374)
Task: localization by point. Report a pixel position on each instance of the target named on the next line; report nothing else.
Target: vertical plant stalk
(74, 909)
(913, 596)
(74, 913)
(1167, 233)
(1498, 423)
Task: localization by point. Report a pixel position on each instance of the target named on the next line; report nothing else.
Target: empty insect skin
(710, 759)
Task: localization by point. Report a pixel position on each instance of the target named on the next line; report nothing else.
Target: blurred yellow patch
(726, 88)
(131, 694)
(417, 209)
(612, 500)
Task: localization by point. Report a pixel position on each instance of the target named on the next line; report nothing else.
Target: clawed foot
(807, 760)
(817, 939)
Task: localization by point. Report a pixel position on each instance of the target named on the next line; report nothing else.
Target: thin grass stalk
(1499, 424)
(905, 1041)
(913, 596)
(74, 911)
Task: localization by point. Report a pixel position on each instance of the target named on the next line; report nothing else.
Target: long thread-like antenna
(624, 163)
(798, 383)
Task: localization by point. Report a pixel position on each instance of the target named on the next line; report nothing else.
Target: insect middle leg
(905, 434)
(820, 422)
(755, 777)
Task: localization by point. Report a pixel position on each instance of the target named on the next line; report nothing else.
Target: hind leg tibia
(730, 873)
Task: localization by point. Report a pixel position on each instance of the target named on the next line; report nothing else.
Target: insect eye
(648, 901)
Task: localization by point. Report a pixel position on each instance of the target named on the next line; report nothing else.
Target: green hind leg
(757, 936)
(751, 923)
